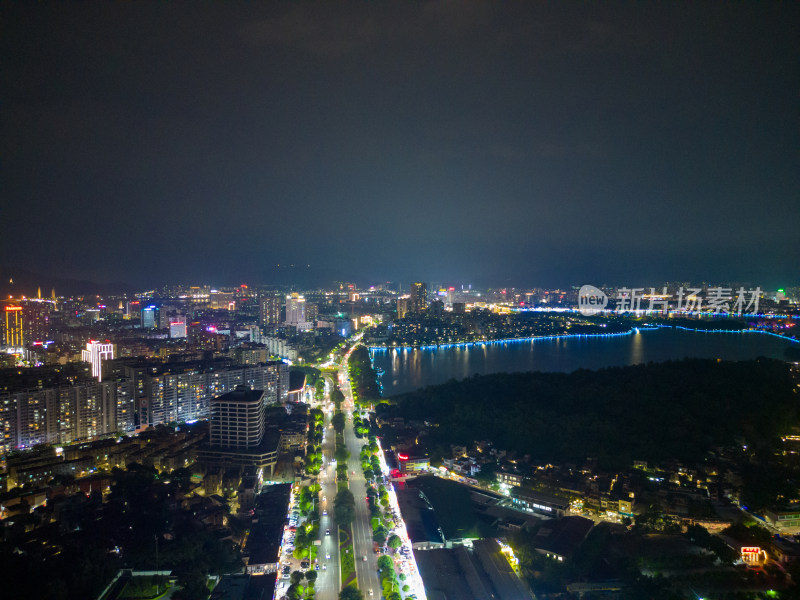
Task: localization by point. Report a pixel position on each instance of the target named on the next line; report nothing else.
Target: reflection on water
(637, 348)
(408, 369)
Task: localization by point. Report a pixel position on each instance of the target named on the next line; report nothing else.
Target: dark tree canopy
(351, 593)
(676, 409)
(338, 421)
(344, 507)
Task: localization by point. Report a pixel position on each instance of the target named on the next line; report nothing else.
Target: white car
(328, 555)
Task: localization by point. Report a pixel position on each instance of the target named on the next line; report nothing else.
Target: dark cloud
(481, 141)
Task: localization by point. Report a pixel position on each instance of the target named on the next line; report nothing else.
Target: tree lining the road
(341, 454)
(351, 593)
(296, 591)
(337, 397)
(338, 421)
(313, 460)
(344, 507)
(363, 378)
(388, 576)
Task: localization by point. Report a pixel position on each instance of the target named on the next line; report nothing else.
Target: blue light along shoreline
(406, 368)
(534, 338)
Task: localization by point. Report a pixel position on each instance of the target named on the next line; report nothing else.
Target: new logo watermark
(591, 300)
(718, 300)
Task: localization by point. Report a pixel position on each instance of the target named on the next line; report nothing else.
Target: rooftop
(242, 393)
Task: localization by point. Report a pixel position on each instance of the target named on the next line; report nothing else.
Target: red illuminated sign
(13, 308)
(751, 550)
(402, 456)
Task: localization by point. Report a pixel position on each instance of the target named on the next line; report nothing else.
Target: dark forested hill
(676, 409)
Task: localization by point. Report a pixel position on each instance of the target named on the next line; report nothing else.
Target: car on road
(316, 567)
(327, 532)
(324, 513)
(324, 567)
(328, 555)
(364, 558)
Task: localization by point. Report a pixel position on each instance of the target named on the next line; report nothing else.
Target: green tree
(193, 585)
(394, 542)
(385, 563)
(338, 422)
(351, 593)
(344, 507)
(341, 454)
(379, 535)
(296, 577)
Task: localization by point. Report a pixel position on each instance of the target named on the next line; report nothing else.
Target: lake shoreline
(406, 368)
(534, 338)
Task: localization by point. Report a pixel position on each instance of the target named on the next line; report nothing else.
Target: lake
(409, 369)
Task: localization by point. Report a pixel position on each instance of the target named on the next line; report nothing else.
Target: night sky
(464, 142)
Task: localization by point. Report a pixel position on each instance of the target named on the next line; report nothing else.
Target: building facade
(237, 418)
(66, 414)
(270, 309)
(140, 398)
(12, 330)
(95, 354)
(418, 300)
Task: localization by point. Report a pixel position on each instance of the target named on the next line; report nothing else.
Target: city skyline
(524, 145)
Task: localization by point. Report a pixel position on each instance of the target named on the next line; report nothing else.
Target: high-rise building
(165, 396)
(238, 418)
(36, 321)
(95, 354)
(312, 312)
(436, 309)
(177, 328)
(12, 333)
(65, 414)
(295, 309)
(222, 300)
(149, 317)
(144, 397)
(133, 310)
(270, 309)
(419, 297)
(402, 306)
